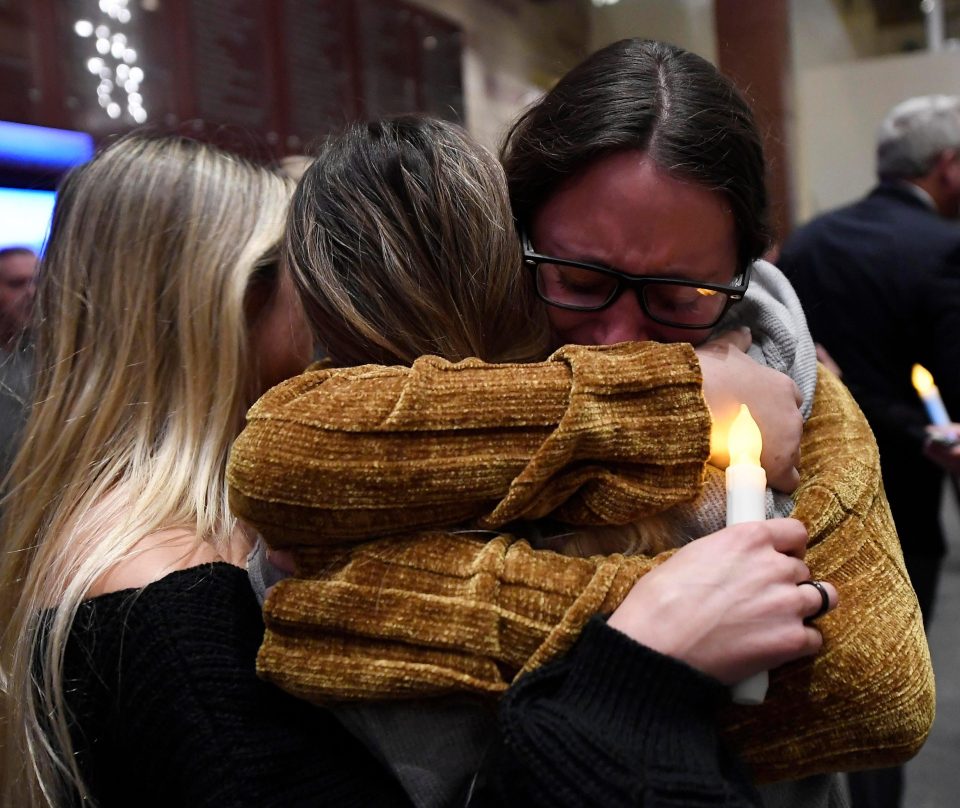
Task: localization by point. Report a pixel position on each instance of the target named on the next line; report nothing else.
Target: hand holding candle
(746, 502)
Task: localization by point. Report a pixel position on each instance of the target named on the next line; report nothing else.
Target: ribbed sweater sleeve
(614, 724)
(409, 617)
(436, 613)
(594, 435)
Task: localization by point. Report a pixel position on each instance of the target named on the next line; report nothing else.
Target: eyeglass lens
(670, 303)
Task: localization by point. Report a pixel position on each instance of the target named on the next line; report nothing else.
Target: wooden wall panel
(17, 77)
(441, 46)
(320, 84)
(259, 76)
(753, 48)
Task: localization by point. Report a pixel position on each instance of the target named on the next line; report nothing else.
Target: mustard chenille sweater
(358, 468)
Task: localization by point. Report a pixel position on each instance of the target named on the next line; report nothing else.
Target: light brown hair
(401, 242)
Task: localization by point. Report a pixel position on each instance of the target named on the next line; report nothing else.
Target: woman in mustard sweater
(488, 611)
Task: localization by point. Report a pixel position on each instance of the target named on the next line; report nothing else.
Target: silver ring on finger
(824, 600)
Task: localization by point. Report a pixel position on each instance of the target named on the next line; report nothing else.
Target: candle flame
(922, 379)
(745, 441)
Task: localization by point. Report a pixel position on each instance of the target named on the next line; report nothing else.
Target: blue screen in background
(25, 217)
(42, 147)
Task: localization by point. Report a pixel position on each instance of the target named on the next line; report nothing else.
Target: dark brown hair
(654, 97)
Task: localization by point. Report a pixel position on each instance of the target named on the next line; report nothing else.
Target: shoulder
(172, 667)
(182, 638)
(169, 550)
(206, 601)
(169, 637)
(915, 222)
(863, 213)
(154, 557)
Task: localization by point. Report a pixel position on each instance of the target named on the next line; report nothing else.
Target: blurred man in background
(880, 283)
(18, 271)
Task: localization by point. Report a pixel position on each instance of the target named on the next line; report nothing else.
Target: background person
(18, 270)
(880, 281)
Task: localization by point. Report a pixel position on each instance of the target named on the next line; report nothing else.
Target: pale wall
(687, 23)
(819, 35)
(848, 72)
(513, 51)
(828, 31)
(838, 109)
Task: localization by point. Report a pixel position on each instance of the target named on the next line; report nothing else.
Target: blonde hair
(143, 377)
(401, 242)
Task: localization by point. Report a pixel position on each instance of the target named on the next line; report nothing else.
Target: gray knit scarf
(782, 341)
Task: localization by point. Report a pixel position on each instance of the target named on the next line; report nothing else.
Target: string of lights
(115, 62)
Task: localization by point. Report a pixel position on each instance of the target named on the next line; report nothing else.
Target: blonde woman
(129, 632)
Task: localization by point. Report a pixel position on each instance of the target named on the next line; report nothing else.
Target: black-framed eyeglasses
(581, 286)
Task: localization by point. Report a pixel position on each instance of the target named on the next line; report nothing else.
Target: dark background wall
(753, 48)
(258, 75)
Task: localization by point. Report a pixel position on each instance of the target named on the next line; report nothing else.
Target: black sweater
(167, 711)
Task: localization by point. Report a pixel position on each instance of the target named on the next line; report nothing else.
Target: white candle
(746, 502)
(930, 395)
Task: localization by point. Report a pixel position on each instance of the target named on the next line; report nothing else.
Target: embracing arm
(594, 435)
(456, 614)
(601, 434)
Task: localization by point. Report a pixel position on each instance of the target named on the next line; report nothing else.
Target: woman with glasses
(401, 242)
(550, 441)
